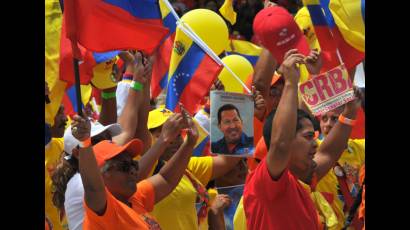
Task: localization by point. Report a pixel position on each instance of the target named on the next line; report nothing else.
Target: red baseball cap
(107, 149)
(278, 32)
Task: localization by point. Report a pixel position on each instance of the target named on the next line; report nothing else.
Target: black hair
(227, 107)
(63, 173)
(267, 127)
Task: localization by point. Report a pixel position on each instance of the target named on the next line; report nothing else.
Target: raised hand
(81, 128)
(355, 104)
(172, 127)
(259, 103)
(221, 202)
(314, 62)
(192, 129)
(289, 69)
(268, 3)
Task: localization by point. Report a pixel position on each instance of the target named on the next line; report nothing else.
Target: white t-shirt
(73, 204)
(122, 95)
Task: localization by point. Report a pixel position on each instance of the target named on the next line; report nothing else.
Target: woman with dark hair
(68, 193)
(113, 197)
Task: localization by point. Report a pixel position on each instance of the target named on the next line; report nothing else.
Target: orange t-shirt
(120, 216)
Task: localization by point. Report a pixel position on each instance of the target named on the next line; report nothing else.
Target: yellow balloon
(210, 27)
(241, 67)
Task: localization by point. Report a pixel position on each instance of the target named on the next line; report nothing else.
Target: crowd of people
(132, 168)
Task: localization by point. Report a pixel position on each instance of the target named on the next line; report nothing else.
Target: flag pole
(189, 32)
(213, 55)
(77, 87)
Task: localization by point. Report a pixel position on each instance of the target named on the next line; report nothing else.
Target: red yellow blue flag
(191, 74)
(161, 64)
(246, 49)
(105, 25)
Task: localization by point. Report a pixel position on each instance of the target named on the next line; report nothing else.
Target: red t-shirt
(281, 204)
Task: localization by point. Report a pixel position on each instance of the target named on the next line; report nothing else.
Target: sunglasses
(123, 166)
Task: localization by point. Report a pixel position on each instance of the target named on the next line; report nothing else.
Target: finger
(138, 58)
(290, 52)
(178, 117)
(296, 60)
(78, 118)
(298, 55)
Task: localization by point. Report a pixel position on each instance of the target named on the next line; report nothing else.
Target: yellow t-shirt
(239, 219)
(177, 210)
(53, 152)
(351, 160)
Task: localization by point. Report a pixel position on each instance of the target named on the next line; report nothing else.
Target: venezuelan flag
(349, 16)
(92, 62)
(323, 21)
(161, 64)
(314, 25)
(202, 141)
(105, 25)
(191, 74)
(246, 49)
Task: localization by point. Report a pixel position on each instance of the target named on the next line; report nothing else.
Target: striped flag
(246, 49)
(191, 74)
(160, 67)
(330, 37)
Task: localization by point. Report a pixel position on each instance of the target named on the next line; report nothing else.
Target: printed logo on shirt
(152, 224)
(352, 178)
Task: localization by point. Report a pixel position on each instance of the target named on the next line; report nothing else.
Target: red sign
(327, 91)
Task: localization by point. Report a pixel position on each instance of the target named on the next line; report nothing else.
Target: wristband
(128, 75)
(86, 143)
(346, 121)
(108, 96)
(137, 86)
